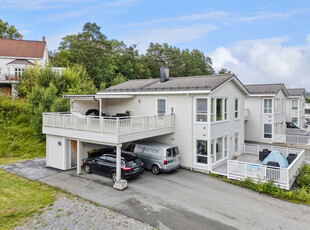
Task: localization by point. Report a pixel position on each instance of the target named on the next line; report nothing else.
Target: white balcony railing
(114, 125)
(283, 177)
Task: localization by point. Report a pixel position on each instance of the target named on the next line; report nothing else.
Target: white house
(295, 104)
(17, 55)
(203, 115)
(266, 106)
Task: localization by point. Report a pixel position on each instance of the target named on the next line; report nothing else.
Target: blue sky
(261, 41)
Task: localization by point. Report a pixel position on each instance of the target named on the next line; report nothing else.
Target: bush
(303, 178)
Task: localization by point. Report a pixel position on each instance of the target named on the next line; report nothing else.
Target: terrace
(249, 165)
(108, 129)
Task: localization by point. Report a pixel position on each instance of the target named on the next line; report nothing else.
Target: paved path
(186, 200)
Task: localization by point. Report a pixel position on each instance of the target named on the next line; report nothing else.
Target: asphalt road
(186, 200)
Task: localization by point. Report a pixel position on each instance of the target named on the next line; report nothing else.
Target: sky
(261, 41)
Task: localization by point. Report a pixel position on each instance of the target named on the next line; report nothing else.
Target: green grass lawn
(21, 198)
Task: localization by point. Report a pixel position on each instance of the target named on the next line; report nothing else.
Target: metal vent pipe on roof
(164, 74)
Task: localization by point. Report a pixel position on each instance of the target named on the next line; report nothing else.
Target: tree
(224, 71)
(8, 31)
(89, 48)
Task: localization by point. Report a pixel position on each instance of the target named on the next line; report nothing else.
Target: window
(295, 120)
(236, 108)
(219, 149)
(225, 108)
(212, 109)
(202, 152)
(219, 109)
(267, 105)
(294, 104)
(18, 72)
(236, 142)
(267, 131)
(202, 110)
(225, 146)
(161, 106)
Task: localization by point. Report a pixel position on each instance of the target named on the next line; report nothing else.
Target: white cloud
(266, 61)
(186, 18)
(170, 35)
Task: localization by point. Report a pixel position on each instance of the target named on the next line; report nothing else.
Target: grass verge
(21, 198)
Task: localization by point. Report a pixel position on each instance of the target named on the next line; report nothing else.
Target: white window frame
(223, 112)
(238, 109)
(293, 108)
(205, 156)
(196, 107)
(267, 133)
(269, 109)
(166, 109)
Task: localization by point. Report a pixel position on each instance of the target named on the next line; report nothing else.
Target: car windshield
(175, 151)
(133, 163)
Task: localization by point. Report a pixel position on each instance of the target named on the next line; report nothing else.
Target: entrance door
(6, 91)
(73, 153)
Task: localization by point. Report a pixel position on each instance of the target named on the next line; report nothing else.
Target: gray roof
(205, 82)
(265, 88)
(297, 92)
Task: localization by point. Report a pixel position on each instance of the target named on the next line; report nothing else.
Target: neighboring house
(203, 115)
(266, 105)
(295, 104)
(15, 57)
(307, 112)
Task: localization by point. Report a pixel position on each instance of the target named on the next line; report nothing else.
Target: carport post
(118, 162)
(79, 160)
(119, 183)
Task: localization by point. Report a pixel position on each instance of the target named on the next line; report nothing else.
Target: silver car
(158, 157)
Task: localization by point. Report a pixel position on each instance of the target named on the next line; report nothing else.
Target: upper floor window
(202, 109)
(236, 108)
(220, 109)
(161, 106)
(267, 105)
(18, 72)
(294, 104)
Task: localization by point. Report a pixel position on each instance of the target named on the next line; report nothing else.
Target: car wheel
(113, 176)
(155, 169)
(87, 169)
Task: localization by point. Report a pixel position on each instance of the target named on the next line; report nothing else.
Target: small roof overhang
(93, 96)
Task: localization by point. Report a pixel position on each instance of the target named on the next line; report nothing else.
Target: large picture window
(267, 105)
(294, 104)
(202, 152)
(267, 131)
(201, 109)
(161, 106)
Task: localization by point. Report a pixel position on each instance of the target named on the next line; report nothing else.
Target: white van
(158, 157)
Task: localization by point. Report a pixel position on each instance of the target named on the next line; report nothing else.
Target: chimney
(20, 37)
(43, 38)
(164, 74)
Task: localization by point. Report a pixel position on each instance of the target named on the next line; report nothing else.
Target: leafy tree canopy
(8, 31)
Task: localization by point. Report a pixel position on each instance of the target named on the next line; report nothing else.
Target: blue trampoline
(276, 156)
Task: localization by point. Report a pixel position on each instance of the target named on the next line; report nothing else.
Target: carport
(103, 130)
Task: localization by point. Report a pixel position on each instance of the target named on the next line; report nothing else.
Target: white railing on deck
(283, 177)
(298, 139)
(116, 125)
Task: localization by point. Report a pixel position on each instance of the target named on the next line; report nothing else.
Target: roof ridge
(20, 40)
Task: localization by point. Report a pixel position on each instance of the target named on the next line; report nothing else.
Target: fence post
(63, 121)
(245, 170)
(131, 126)
(75, 122)
(101, 124)
(87, 123)
(228, 168)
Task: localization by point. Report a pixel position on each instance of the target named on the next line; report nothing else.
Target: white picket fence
(283, 177)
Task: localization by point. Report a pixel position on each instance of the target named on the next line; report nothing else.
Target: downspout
(99, 105)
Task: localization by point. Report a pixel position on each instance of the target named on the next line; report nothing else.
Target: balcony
(11, 77)
(113, 130)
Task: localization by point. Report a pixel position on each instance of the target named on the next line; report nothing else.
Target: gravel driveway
(74, 213)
